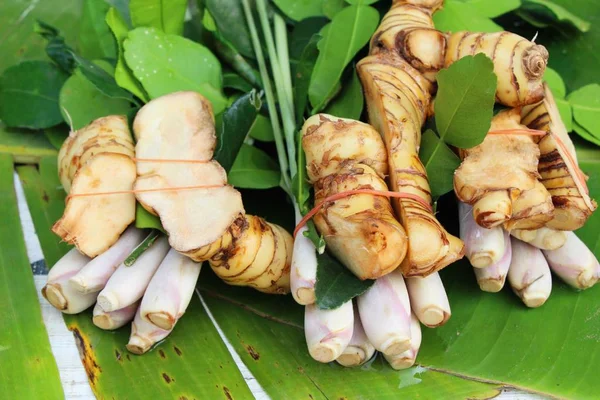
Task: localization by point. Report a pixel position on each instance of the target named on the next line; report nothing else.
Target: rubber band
(559, 142)
(519, 131)
(170, 160)
(348, 193)
(133, 191)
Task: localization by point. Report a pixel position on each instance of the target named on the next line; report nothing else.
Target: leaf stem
(288, 120)
(141, 248)
(284, 60)
(279, 141)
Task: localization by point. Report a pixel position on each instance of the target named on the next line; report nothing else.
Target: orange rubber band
(170, 160)
(348, 193)
(143, 191)
(520, 131)
(561, 144)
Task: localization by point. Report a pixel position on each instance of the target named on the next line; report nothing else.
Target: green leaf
(566, 114)
(56, 48)
(465, 101)
(332, 7)
(228, 16)
(254, 169)
(273, 347)
(145, 220)
(229, 55)
(84, 102)
(335, 283)
(559, 90)
(234, 81)
(572, 54)
(459, 16)
(95, 39)
(586, 108)
(123, 75)
(440, 163)
(493, 8)
(300, 9)
(302, 34)
(361, 2)
(546, 12)
(555, 83)
(349, 103)
(122, 7)
(25, 146)
(29, 95)
(28, 367)
(17, 19)
(103, 81)
(168, 16)
(233, 126)
(167, 63)
(262, 129)
(57, 135)
(585, 134)
(302, 77)
(347, 33)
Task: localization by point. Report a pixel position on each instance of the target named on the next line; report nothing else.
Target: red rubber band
(348, 193)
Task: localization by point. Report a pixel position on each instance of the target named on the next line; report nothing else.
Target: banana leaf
(27, 366)
(26, 147)
(44, 195)
(193, 362)
(267, 334)
(490, 337)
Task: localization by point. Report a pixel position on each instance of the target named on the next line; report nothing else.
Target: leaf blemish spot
(167, 378)
(253, 353)
(177, 350)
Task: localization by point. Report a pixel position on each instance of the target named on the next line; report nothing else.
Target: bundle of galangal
(148, 277)
(521, 192)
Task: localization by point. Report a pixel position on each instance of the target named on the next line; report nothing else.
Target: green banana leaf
(44, 195)
(27, 366)
(26, 147)
(193, 362)
(490, 337)
(266, 332)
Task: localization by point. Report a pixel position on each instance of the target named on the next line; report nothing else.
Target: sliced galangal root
(180, 126)
(204, 216)
(94, 223)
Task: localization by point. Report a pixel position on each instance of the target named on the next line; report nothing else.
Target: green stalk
(141, 248)
(279, 142)
(236, 61)
(289, 126)
(284, 60)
